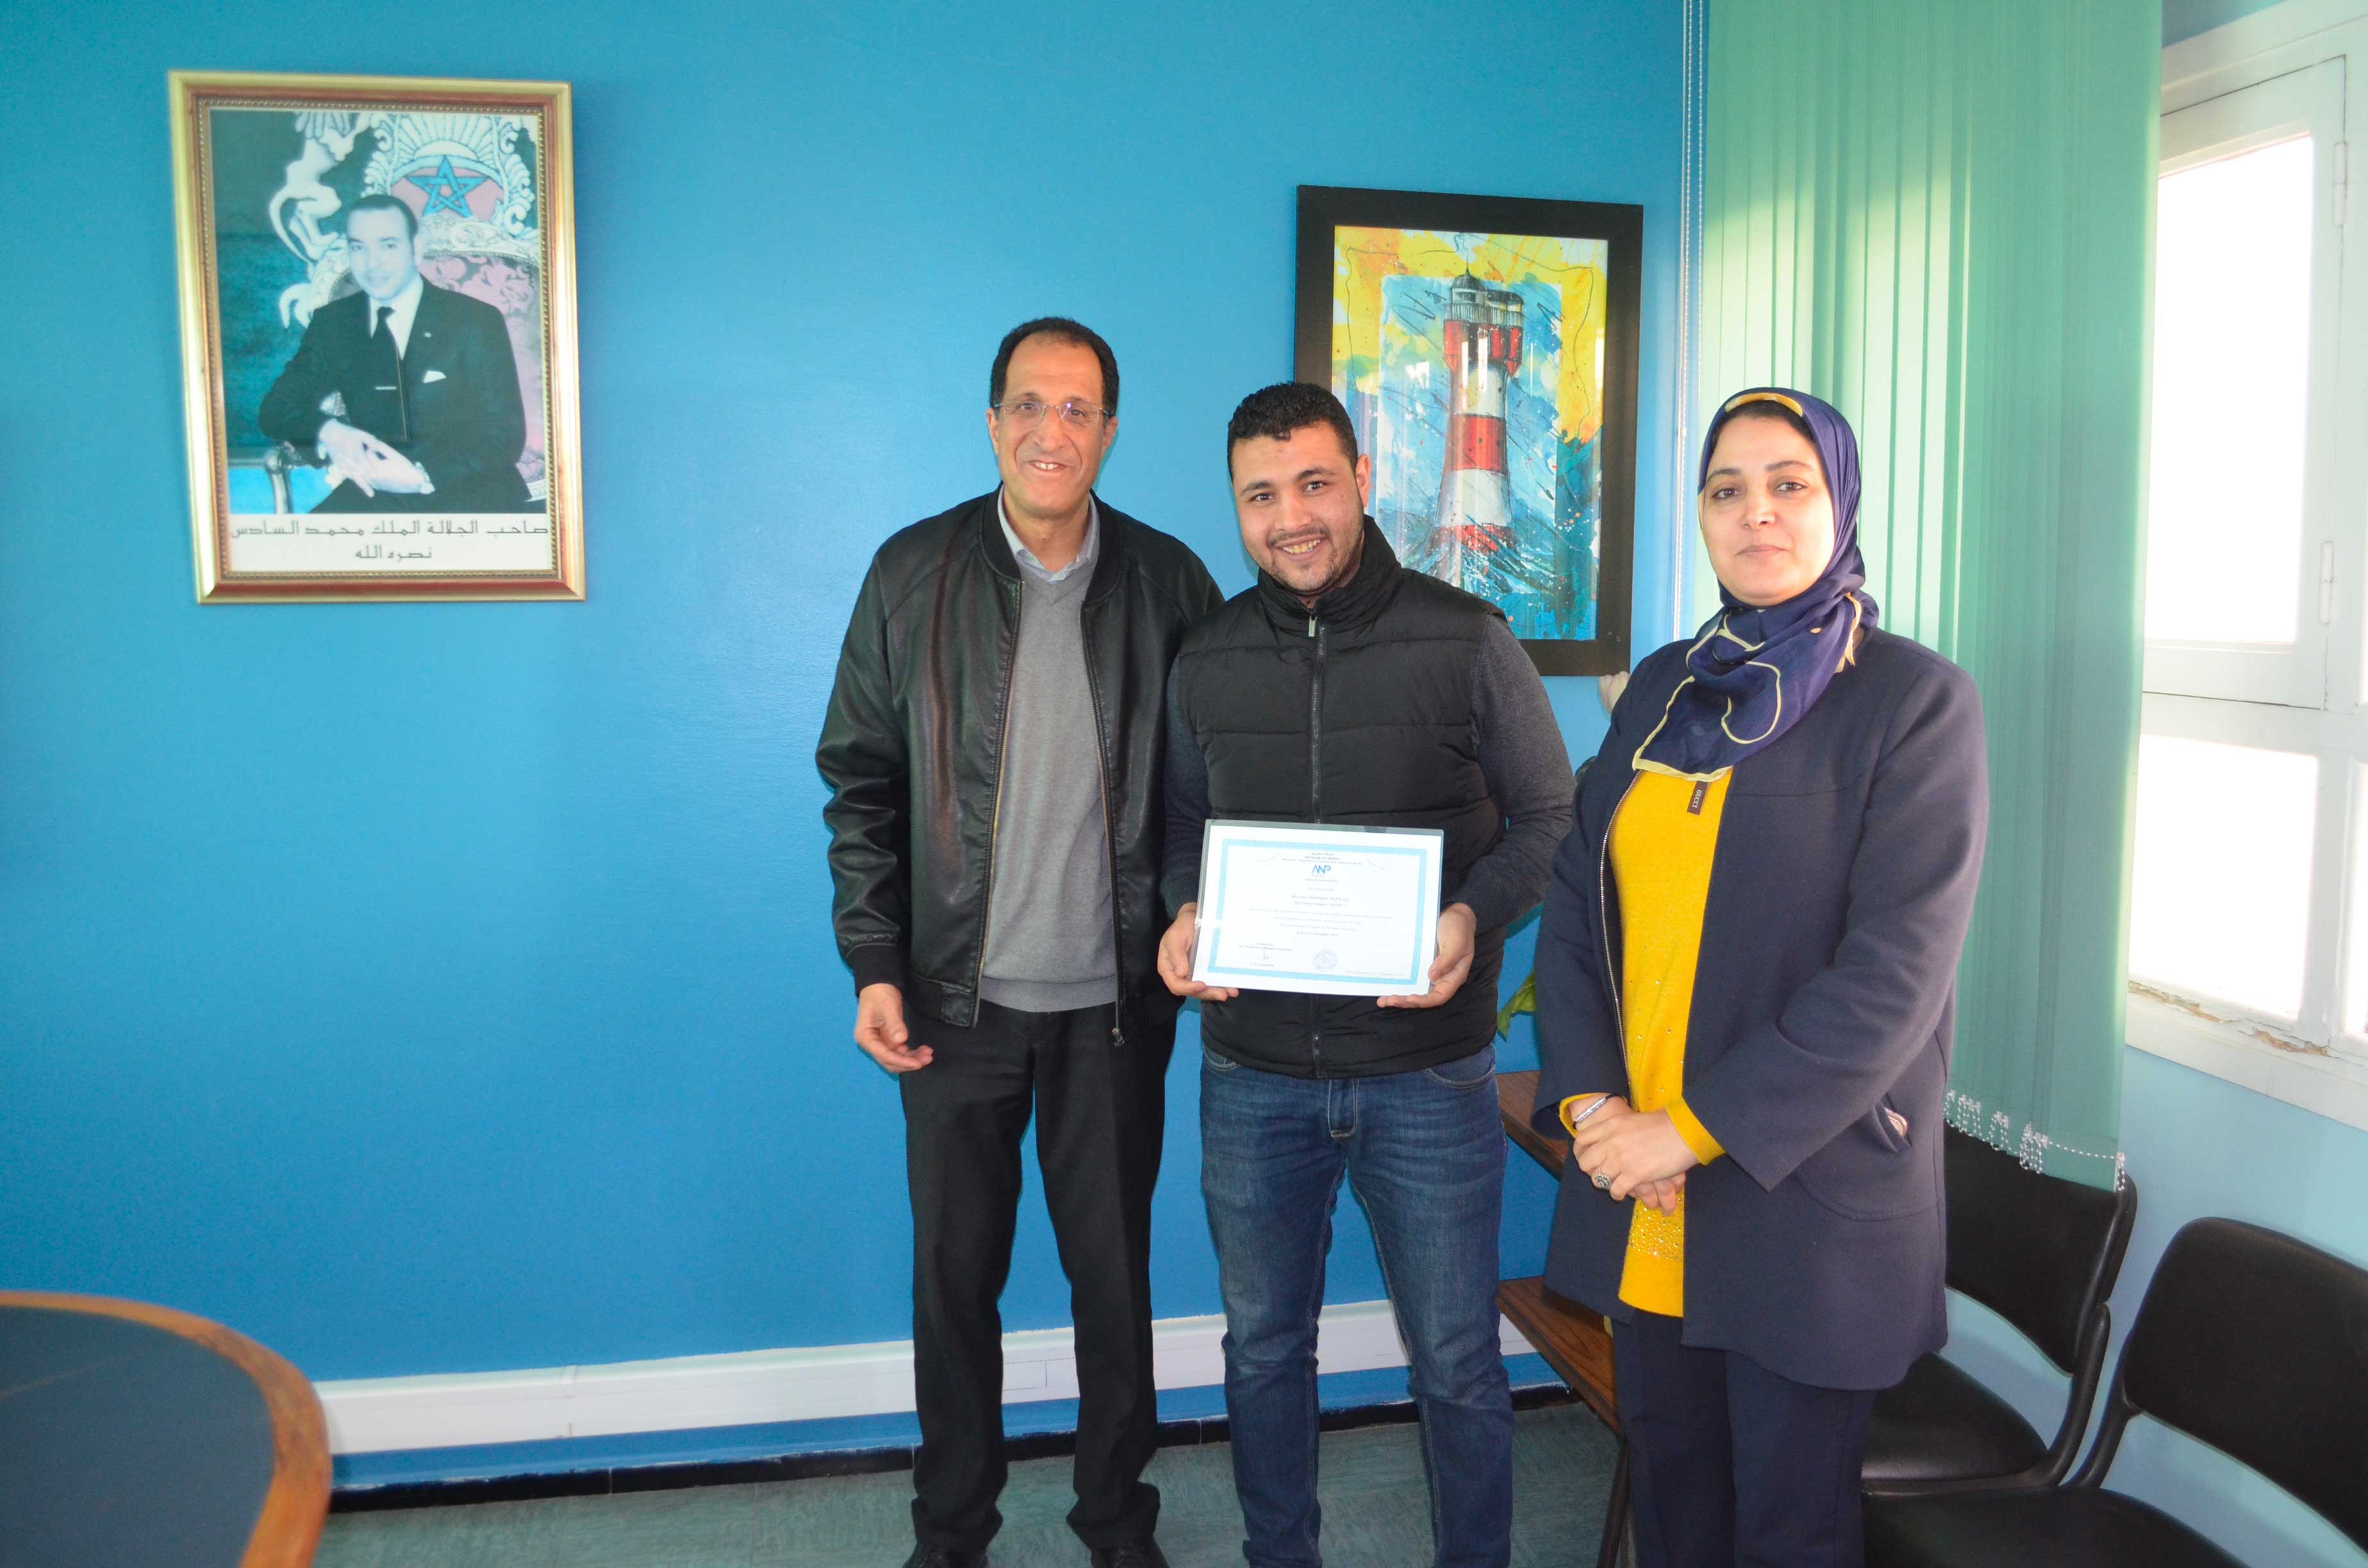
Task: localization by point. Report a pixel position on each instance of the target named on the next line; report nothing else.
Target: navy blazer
(1839, 894)
(460, 415)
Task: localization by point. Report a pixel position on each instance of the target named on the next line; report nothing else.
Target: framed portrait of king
(377, 333)
(1486, 349)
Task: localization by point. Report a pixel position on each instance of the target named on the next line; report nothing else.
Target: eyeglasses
(1025, 412)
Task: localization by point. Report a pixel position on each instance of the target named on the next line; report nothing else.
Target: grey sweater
(1050, 946)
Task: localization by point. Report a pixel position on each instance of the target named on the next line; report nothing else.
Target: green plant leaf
(1525, 1000)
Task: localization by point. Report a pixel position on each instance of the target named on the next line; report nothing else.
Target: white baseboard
(461, 1408)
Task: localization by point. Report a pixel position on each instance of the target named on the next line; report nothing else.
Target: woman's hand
(1633, 1150)
(1662, 1195)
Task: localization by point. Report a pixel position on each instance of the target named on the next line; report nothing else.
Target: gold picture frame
(389, 413)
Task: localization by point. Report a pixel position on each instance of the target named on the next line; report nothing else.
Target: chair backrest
(2041, 1252)
(2257, 1344)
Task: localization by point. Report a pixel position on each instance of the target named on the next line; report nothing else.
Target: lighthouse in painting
(1472, 532)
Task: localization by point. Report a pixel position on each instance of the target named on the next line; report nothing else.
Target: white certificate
(1306, 906)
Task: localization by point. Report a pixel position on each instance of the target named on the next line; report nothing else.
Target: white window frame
(2298, 66)
(2308, 102)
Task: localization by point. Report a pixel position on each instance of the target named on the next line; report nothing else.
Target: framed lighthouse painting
(1486, 349)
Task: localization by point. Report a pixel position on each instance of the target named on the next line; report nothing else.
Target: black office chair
(2043, 1252)
(2248, 1340)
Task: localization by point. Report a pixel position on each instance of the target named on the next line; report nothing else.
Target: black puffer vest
(1357, 711)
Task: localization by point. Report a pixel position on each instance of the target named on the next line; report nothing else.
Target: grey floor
(1375, 1514)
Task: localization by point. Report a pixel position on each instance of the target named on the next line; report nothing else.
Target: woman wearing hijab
(1746, 981)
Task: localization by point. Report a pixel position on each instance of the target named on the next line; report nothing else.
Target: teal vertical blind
(1937, 214)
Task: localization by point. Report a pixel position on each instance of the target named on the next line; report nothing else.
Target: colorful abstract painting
(1474, 363)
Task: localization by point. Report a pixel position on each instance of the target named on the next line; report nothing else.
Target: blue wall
(439, 988)
(2183, 19)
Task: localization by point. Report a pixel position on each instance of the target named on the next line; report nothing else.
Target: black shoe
(947, 1557)
(1144, 1553)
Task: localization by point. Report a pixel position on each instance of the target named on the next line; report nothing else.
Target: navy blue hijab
(1754, 671)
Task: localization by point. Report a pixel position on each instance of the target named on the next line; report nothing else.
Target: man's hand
(368, 462)
(399, 476)
(1634, 1149)
(1176, 958)
(879, 1029)
(1457, 929)
(356, 451)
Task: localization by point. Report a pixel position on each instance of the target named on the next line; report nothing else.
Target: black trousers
(1100, 1110)
(1731, 1466)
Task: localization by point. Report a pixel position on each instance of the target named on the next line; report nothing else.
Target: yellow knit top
(1662, 843)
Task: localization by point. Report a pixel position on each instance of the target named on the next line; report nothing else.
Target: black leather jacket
(912, 748)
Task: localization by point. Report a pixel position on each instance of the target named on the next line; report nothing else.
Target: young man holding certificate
(1365, 787)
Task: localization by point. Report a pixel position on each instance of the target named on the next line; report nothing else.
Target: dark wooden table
(133, 1434)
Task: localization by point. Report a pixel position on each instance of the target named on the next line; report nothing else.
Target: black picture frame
(1541, 596)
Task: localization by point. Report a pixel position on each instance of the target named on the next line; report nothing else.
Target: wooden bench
(1576, 1342)
(1517, 1096)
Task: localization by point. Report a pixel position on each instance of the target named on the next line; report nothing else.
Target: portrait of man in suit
(410, 391)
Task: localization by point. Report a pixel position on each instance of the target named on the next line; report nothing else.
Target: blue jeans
(1426, 1152)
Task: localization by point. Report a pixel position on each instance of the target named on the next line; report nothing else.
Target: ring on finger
(1602, 1179)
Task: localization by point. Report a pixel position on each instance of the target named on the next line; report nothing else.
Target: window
(2249, 924)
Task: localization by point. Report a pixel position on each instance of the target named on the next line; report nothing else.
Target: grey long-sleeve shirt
(1048, 920)
(1522, 756)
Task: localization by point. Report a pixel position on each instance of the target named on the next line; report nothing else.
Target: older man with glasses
(995, 748)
